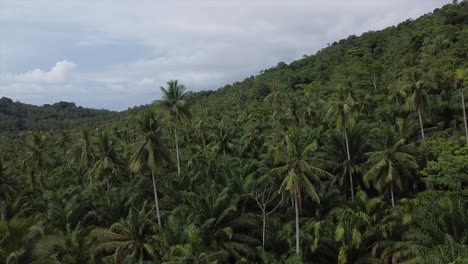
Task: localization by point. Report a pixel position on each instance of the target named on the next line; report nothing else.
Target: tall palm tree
(341, 112)
(152, 152)
(391, 165)
(335, 153)
(37, 160)
(175, 103)
(130, 237)
(460, 76)
(416, 85)
(294, 164)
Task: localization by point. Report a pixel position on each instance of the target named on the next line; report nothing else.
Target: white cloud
(59, 73)
(204, 44)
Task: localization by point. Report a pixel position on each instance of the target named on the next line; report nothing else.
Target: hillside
(355, 154)
(17, 116)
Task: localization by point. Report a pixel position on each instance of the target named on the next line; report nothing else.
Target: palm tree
(416, 84)
(83, 149)
(201, 125)
(391, 165)
(37, 160)
(434, 230)
(18, 236)
(438, 233)
(189, 252)
(108, 162)
(294, 165)
(72, 246)
(219, 219)
(176, 104)
(357, 225)
(130, 237)
(225, 141)
(274, 98)
(460, 76)
(152, 152)
(341, 113)
(6, 189)
(335, 153)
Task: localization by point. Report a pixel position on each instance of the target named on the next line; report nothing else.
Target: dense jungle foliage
(16, 117)
(357, 154)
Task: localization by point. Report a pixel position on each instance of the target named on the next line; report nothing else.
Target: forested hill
(436, 43)
(17, 116)
(357, 154)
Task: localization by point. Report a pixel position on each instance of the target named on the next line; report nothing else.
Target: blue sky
(116, 54)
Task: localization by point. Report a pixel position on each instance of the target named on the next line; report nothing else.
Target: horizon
(66, 52)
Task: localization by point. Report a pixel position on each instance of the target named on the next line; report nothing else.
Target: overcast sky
(115, 54)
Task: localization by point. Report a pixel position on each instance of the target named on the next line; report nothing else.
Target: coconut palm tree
(294, 165)
(335, 153)
(152, 152)
(37, 160)
(460, 76)
(341, 112)
(391, 165)
(175, 103)
(224, 141)
(416, 85)
(130, 237)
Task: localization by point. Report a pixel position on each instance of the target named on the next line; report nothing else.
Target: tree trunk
(41, 181)
(349, 159)
(31, 181)
(263, 231)
(156, 201)
(374, 80)
(177, 150)
(203, 141)
(296, 207)
(421, 123)
(464, 116)
(391, 193)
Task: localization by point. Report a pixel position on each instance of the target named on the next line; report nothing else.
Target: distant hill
(17, 116)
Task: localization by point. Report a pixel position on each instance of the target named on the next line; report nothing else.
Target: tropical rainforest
(356, 154)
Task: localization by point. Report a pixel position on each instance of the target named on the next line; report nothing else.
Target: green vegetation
(16, 116)
(357, 154)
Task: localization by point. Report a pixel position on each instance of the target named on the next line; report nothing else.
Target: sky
(115, 54)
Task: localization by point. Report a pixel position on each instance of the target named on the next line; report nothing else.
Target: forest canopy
(356, 154)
